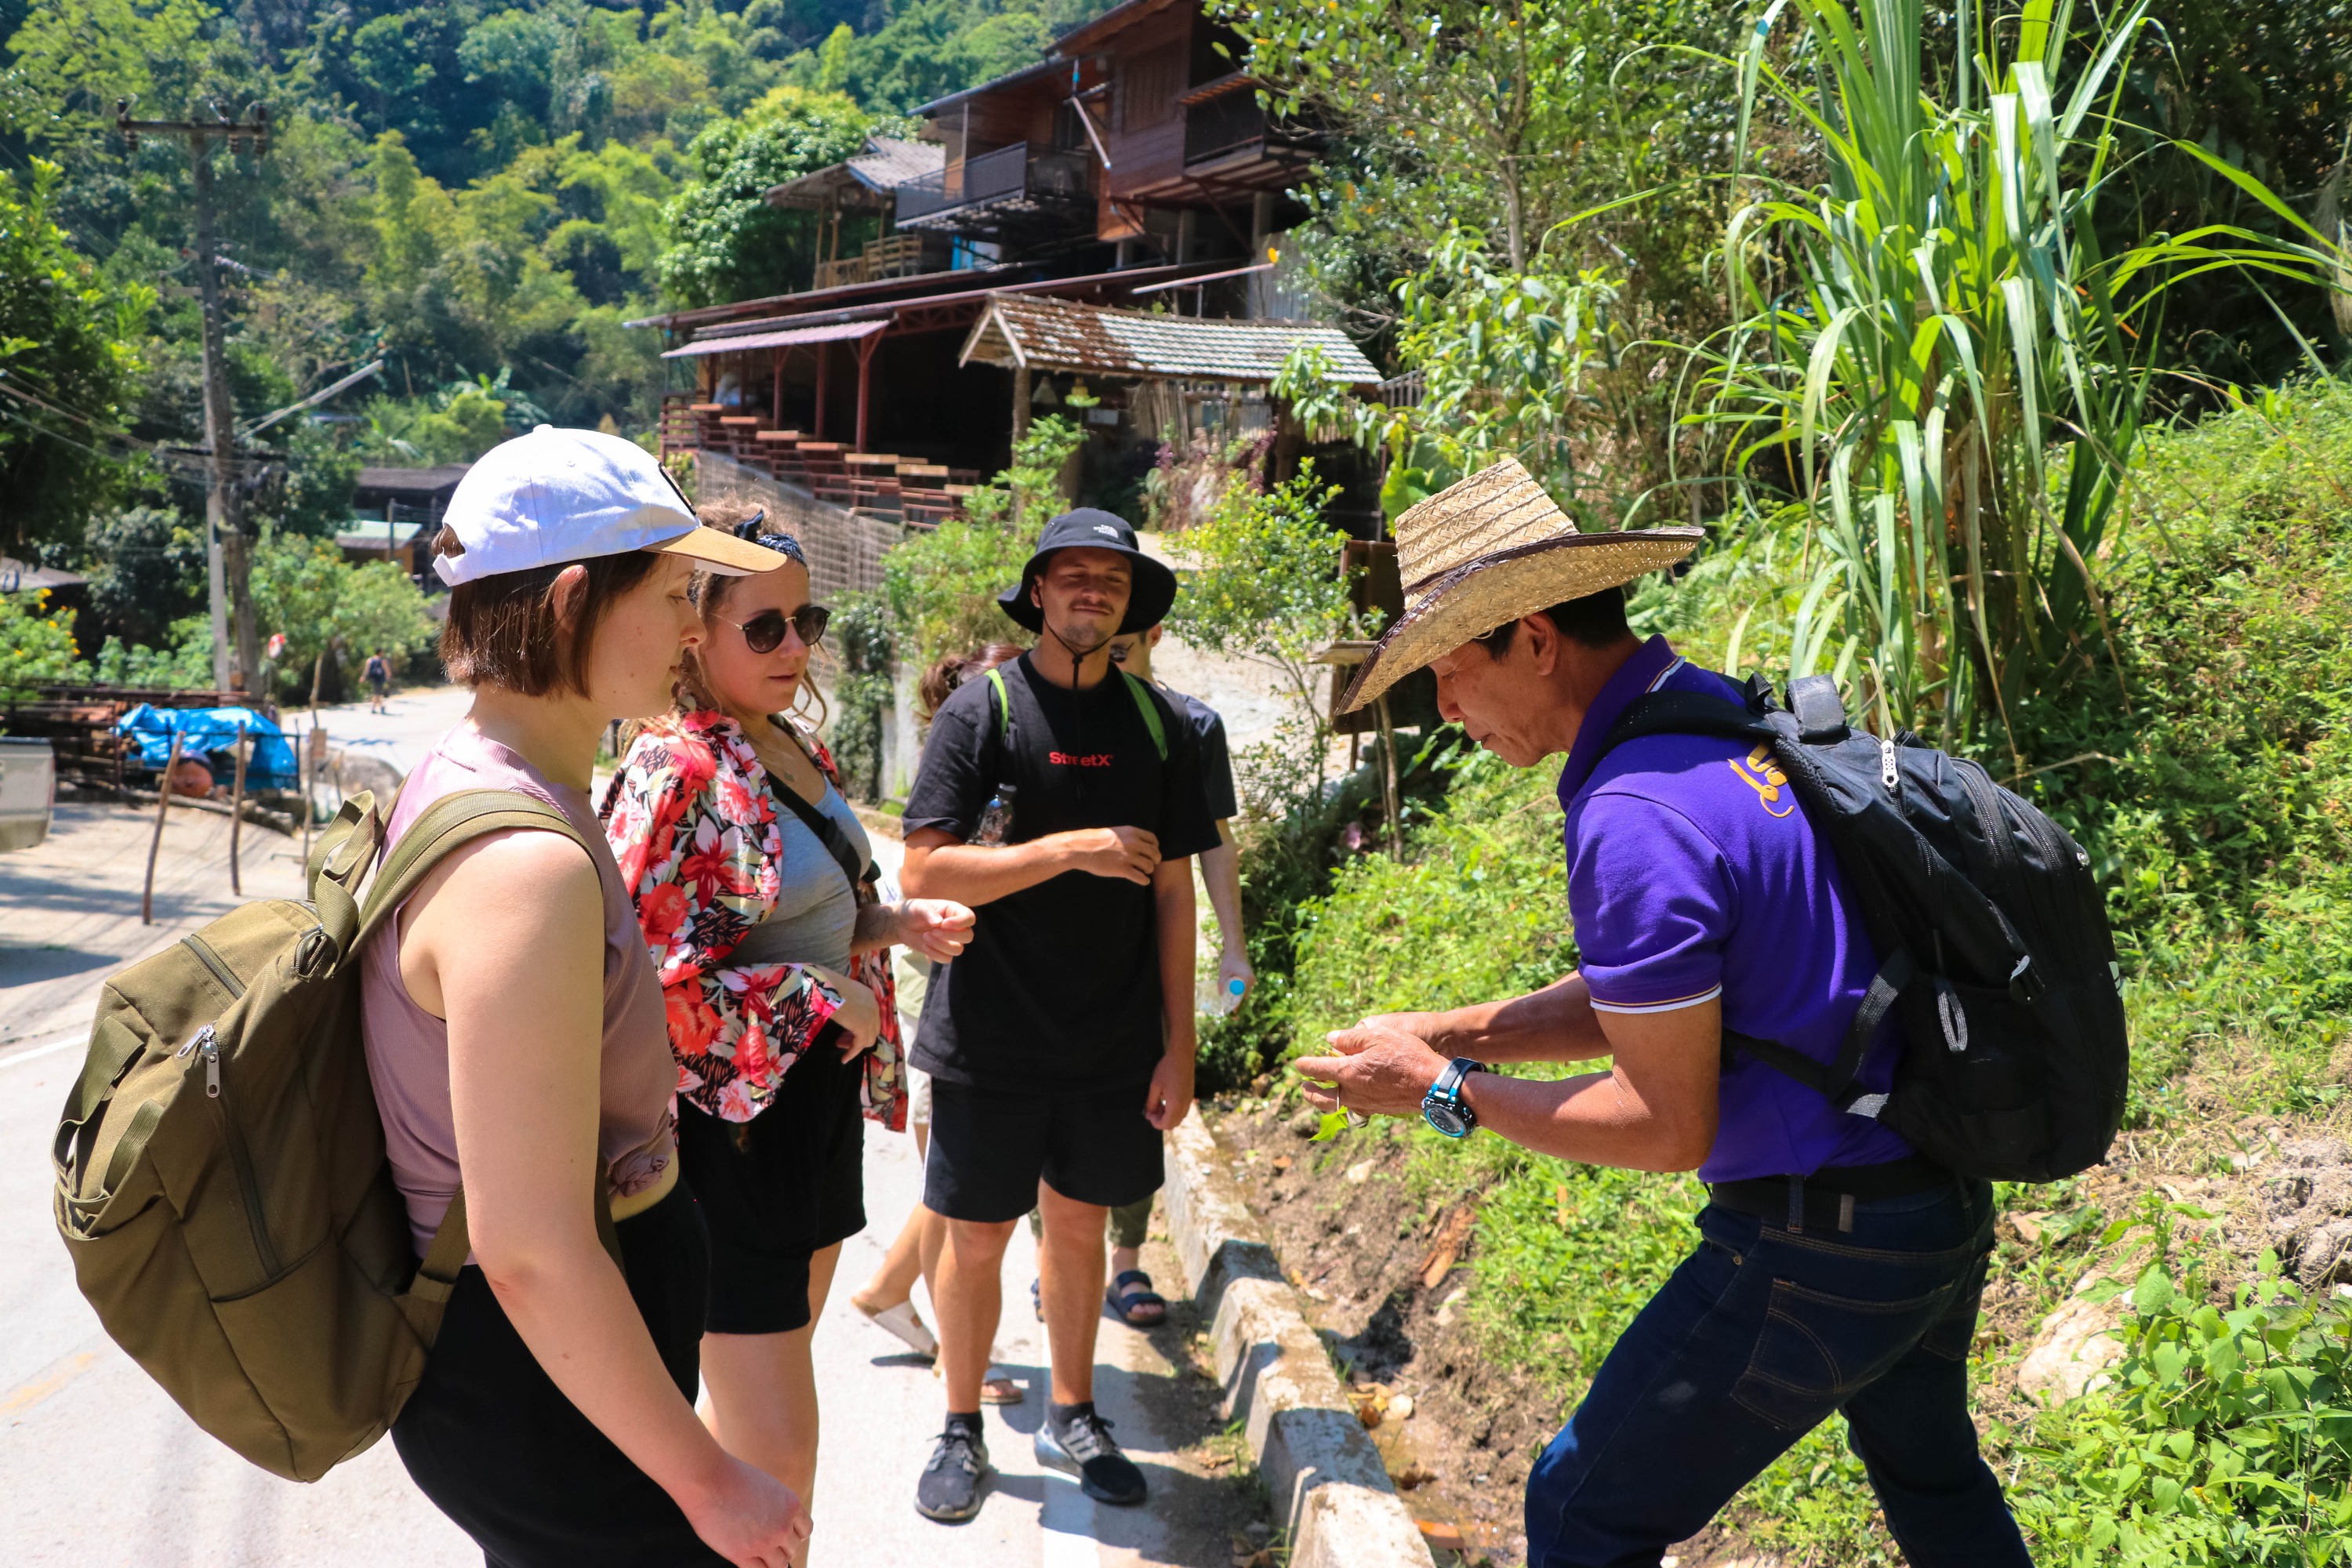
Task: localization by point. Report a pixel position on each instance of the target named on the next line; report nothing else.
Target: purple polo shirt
(1691, 875)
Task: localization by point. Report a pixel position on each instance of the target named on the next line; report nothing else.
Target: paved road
(99, 1468)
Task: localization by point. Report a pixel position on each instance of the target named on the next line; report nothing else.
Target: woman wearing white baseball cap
(516, 1040)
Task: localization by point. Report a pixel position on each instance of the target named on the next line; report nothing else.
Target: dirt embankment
(1386, 1276)
(1383, 1279)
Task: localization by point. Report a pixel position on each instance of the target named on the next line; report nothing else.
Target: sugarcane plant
(1935, 351)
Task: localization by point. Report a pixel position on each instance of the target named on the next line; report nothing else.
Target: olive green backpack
(221, 1179)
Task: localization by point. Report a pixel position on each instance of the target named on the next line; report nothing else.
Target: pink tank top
(408, 1047)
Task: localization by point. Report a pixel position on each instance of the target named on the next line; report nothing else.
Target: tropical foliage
(1937, 353)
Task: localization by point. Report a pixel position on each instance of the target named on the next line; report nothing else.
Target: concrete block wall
(1329, 1487)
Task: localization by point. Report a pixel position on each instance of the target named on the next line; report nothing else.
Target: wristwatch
(1444, 1108)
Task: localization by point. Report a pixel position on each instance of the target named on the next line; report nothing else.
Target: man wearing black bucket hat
(1061, 800)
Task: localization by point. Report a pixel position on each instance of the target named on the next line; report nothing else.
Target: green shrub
(37, 644)
(2226, 1439)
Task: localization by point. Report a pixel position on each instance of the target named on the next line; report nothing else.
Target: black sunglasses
(764, 631)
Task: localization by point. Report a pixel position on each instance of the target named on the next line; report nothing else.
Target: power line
(228, 556)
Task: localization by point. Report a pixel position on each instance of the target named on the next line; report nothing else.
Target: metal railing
(1023, 173)
(1232, 121)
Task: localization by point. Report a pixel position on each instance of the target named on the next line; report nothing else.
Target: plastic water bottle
(1216, 997)
(995, 818)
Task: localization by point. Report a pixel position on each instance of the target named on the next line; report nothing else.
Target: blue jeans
(1756, 1337)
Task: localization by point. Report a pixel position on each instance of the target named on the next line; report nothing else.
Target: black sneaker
(949, 1490)
(1083, 1448)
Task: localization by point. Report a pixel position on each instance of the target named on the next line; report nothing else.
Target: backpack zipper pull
(196, 1042)
(210, 1049)
(1887, 772)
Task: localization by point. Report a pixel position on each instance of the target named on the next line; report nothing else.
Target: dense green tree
(66, 362)
(730, 243)
(146, 571)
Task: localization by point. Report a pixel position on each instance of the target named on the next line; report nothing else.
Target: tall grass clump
(1936, 352)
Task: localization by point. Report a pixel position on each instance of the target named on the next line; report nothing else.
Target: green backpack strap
(1150, 711)
(448, 824)
(1002, 702)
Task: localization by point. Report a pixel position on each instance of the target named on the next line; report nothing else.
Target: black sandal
(1129, 1301)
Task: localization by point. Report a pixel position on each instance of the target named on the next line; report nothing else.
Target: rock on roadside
(2072, 1349)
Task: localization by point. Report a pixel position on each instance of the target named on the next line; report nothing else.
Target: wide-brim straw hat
(1489, 550)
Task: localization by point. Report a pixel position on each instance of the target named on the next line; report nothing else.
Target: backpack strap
(448, 824)
(1001, 701)
(1696, 713)
(1687, 713)
(1150, 709)
(829, 834)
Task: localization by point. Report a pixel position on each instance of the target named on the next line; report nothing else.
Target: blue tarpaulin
(204, 731)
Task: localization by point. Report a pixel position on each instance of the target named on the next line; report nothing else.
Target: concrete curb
(1329, 1484)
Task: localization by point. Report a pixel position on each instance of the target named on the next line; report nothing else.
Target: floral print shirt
(693, 823)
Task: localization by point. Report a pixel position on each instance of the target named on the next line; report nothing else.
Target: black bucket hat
(1089, 528)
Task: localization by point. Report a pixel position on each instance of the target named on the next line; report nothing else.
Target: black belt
(1825, 1199)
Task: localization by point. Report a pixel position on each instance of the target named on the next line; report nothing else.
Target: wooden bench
(736, 431)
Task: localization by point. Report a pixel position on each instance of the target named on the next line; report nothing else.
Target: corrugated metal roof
(1046, 334)
(891, 162)
(743, 342)
(885, 164)
(442, 478)
(1010, 78)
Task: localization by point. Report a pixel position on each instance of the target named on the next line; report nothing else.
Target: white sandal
(902, 1320)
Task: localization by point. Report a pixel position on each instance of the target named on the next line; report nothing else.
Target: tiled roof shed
(867, 180)
(1038, 332)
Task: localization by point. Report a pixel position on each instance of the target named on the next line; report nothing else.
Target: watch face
(1446, 1118)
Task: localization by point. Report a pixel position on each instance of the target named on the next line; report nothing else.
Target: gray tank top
(815, 916)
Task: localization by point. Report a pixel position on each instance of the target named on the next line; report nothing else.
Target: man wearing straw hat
(1836, 1270)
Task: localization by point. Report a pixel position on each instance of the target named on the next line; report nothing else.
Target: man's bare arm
(1221, 873)
(1556, 1024)
(938, 864)
(1654, 1111)
(1177, 932)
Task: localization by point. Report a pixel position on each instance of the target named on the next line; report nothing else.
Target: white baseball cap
(556, 496)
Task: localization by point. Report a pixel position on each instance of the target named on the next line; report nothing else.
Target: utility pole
(228, 554)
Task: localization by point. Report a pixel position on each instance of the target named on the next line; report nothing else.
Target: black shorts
(777, 1190)
(498, 1448)
(989, 1150)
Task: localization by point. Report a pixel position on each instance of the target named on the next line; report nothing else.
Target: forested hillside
(478, 193)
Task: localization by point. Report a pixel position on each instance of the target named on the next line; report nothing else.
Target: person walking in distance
(514, 1039)
(754, 883)
(1837, 1268)
(378, 673)
(1061, 800)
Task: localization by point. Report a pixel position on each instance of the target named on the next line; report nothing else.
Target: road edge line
(1327, 1479)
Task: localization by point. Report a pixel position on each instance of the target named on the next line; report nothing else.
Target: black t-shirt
(1216, 757)
(1058, 991)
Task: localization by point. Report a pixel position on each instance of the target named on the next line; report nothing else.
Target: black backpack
(1996, 957)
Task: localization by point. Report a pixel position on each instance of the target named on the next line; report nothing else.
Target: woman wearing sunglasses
(754, 886)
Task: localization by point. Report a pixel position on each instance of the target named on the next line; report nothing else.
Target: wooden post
(776, 396)
(236, 816)
(823, 358)
(163, 805)
(1020, 401)
(1389, 794)
(865, 348)
(302, 777)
